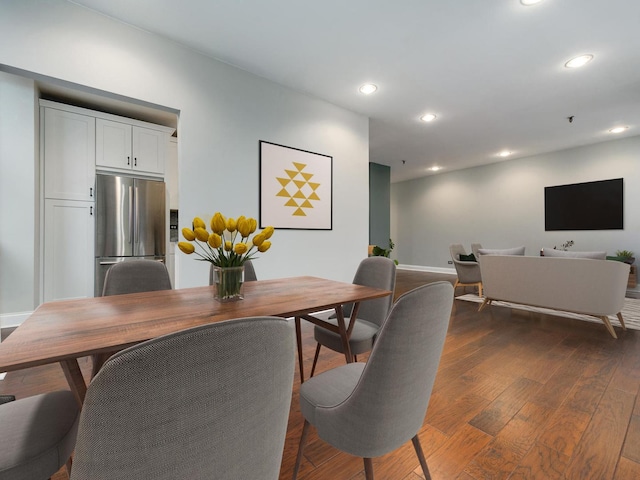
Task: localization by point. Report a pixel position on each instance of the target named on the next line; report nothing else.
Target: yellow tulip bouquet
(226, 247)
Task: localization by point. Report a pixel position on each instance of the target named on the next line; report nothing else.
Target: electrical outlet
(450, 262)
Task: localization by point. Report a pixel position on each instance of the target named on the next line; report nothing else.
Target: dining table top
(65, 330)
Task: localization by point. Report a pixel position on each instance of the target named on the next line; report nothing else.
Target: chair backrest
(377, 272)
(456, 250)
(249, 272)
(209, 402)
(136, 276)
(474, 249)
(389, 403)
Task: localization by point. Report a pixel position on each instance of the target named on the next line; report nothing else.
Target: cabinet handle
(90, 210)
(135, 161)
(128, 160)
(91, 191)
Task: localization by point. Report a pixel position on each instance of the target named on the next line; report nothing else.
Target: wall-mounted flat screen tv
(584, 206)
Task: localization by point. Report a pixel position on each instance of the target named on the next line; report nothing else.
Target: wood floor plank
(447, 414)
(557, 387)
(598, 452)
(450, 459)
(493, 418)
(631, 448)
(541, 462)
(503, 454)
(564, 430)
(627, 470)
(589, 388)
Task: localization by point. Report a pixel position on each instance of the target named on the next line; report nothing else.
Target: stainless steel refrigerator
(130, 222)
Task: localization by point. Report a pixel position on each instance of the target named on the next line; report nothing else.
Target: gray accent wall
(379, 204)
(502, 205)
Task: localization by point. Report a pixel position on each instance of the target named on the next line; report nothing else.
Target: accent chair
(371, 409)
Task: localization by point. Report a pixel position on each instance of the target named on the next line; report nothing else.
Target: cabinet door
(68, 249)
(149, 150)
(113, 144)
(69, 155)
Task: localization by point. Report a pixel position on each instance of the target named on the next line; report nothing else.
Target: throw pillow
(468, 258)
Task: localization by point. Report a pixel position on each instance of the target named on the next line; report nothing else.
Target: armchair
(468, 271)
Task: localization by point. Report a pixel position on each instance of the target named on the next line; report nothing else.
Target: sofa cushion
(550, 252)
(503, 251)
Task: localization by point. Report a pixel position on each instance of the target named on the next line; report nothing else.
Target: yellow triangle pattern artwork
(296, 197)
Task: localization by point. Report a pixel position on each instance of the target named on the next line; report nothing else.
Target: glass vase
(228, 283)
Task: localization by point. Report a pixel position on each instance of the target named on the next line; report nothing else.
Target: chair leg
(423, 462)
(303, 441)
(355, 358)
(299, 342)
(368, 469)
(315, 360)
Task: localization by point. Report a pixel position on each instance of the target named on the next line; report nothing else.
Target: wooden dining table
(64, 331)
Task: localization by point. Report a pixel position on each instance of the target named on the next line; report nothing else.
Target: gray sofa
(579, 285)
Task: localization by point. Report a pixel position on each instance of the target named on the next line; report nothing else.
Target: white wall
(18, 194)
(224, 112)
(502, 205)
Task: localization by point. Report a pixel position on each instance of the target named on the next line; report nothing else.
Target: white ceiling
(492, 70)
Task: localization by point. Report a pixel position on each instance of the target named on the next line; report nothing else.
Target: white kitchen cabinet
(129, 147)
(68, 249)
(69, 155)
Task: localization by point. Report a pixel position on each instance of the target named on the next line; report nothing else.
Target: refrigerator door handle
(135, 206)
(131, 215)
(108, 263)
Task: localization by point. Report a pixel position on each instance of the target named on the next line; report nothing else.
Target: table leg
(97, 361)
(74, 377)
(343, 334)
(299, 342)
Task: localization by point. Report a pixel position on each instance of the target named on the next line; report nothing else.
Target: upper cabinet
(131, 147)
(69, 155)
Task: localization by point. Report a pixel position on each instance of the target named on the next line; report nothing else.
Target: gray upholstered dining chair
(249, 272)
(378, 272)
(468, 271)
(371, 409)
(208, 402)
(38, 435)
(133, 276)
(136, 276)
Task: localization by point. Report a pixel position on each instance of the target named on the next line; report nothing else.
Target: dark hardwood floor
(517, 396)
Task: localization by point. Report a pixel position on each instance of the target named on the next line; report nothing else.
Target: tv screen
(584, 206)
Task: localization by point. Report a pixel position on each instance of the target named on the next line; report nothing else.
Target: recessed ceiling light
(435, 169)
(579, 61)
(528, 3)
(618, 129)
(428, 117)
(504, 153)
(368, 88)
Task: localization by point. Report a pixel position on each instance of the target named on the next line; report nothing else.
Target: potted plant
(626, 256)
(384, 252)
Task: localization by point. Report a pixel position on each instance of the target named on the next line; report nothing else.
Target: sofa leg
(485, 302)
(607, 323)
(621, 320)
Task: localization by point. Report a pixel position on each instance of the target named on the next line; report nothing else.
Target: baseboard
(422, 268)
(11, 320)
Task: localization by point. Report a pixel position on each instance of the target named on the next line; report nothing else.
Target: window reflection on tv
(585, 206)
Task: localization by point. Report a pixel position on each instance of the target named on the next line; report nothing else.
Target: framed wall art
(296, 189)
